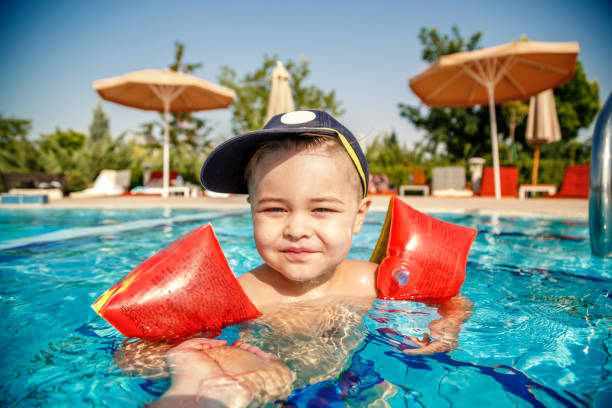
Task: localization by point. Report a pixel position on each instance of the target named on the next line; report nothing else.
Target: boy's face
(305, 208)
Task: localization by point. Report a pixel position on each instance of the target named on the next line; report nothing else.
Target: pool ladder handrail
(600, 186)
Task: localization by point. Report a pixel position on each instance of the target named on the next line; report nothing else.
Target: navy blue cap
(223, 170)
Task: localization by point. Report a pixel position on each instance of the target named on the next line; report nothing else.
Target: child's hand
(445, 333)
(426, 346)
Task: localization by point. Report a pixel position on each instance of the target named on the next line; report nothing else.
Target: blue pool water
(539, 334)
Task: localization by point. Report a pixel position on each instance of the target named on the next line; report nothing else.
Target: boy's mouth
(297, 253)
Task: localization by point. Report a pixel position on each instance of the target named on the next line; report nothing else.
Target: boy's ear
(361, 213)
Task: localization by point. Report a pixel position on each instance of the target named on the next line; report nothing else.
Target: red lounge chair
(575, 182)
(508, 178)
(157, 177)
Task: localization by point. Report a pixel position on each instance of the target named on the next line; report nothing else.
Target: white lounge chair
(449, 181)
(108, 183)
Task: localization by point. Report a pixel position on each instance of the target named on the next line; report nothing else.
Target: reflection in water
(314, 338)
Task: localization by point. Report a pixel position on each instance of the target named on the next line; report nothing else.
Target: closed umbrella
(513, 71)
(542, 126)
(164, 91)
(281, 99)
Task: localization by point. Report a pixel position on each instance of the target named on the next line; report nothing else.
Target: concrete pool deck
(539, 207)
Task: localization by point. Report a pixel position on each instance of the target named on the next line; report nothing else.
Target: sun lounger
(575, 182)
(526, 189)
(449, 181)
(108, 183)
(33, 184)
(508, 178)
(187, 190)
(154, 185)
(419, 183)
(51, 193)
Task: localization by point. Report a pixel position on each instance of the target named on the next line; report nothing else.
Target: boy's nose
(297, 227)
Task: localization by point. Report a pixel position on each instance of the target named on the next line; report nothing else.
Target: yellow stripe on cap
(354, 158)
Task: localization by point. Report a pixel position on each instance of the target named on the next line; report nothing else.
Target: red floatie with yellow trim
(420, 256)
(184, 289)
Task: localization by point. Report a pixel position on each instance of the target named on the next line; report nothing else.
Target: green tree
(385, 155)
(434, 45)
(385, 151)
(102, 151)
(17, 153)
(253, 90)
(67, 140)
(81, 157)
(99, 129)
(12, 129)
(514, 113)
(60, 152)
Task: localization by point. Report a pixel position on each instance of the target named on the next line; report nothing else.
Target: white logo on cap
(294, 118)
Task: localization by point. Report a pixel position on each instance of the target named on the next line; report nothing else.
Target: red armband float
(184, 289)
(420, 256)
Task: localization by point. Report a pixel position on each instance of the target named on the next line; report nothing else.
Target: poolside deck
(541, 207)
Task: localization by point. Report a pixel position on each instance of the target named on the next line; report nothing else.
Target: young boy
(307, 180)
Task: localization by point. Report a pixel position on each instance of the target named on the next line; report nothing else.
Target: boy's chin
(306, 275)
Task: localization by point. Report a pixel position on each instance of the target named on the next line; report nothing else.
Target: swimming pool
(539, 334)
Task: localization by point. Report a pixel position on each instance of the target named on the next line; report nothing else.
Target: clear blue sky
(52, 51)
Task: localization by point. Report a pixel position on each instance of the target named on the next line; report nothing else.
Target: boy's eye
(323, 210)
(273, 209)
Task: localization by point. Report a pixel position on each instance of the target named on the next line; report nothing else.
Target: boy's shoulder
(357, 277)
(358, 266)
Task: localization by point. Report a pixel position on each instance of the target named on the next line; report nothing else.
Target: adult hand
(206, 371)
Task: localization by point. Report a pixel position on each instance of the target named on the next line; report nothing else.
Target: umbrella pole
(494, 147)
(536, 165)
(166, 180)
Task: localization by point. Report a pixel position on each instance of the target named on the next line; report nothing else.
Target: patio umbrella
(513, 71)
(542, 126)
(164, 91)
(281, 99)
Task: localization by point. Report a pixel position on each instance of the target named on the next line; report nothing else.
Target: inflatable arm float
(186, 288)
(420, 256)
(189, 288)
